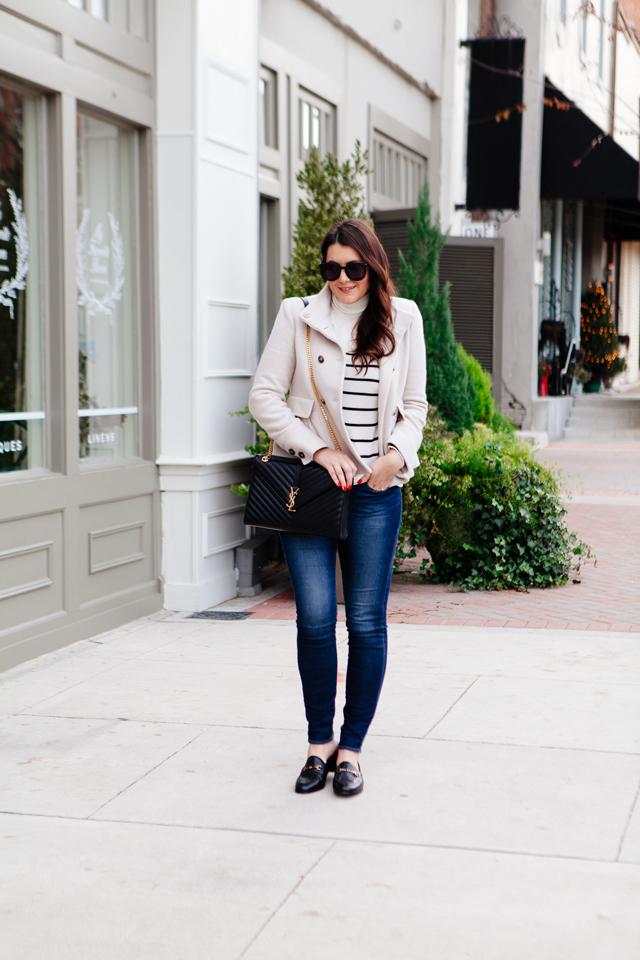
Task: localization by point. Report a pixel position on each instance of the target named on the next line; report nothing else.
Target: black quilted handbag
(302, 498)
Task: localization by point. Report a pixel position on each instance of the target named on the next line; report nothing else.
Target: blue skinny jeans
(366, 559)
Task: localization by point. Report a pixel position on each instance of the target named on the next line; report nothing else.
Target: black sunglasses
(354, 270)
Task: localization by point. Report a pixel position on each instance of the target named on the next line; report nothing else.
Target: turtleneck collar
(350, 309)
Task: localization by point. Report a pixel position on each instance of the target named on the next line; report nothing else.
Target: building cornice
(420, 85)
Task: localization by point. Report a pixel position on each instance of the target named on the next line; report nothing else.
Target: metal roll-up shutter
(470, 268)
(470, 271)
(393, 237)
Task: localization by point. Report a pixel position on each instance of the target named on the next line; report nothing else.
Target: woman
(369, 364)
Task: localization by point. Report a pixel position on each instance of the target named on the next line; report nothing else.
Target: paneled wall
(208, 221)
(79, 499)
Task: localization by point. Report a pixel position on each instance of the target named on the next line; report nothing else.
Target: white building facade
(148, 158)
(575, 223)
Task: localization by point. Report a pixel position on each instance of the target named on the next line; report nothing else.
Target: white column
(521, 234)
(207, 211)
(556, 248)
(577, 270)
(629, 319)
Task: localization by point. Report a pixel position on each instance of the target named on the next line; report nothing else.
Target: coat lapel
(401, 321)
(318, 314)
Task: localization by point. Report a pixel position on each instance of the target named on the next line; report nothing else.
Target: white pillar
(629, 320)
(556, 249)
(577, 270)
(207, 211)
(521, 234)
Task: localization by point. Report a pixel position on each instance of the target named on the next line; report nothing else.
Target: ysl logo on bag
(292, 499)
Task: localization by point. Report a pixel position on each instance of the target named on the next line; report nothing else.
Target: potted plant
(577, 371)
(544, 371)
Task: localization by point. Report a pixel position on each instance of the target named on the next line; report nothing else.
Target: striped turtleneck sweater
(360, 391)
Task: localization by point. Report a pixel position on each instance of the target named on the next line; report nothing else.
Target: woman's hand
(383, 470)
(339, 466)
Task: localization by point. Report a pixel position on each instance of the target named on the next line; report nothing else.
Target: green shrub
(446, 376)
(481, 395)
(260, 446)
(487, 512)
(483, 405)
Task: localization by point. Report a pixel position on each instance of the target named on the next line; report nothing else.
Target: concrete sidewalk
(146, 785)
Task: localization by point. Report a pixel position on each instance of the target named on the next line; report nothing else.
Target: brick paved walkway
(605, 513)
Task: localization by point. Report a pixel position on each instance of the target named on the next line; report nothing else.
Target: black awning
(579, 160)
(622, 220)
(494, 132)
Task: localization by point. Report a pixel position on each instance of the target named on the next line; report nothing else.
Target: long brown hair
(374, 335)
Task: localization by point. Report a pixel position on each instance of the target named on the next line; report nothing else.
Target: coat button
(292, 452)
(301, 455)
(305, 315)
(320, 359)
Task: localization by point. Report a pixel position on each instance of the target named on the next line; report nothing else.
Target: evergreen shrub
(334, 191)
(480, 392)
(447, 386)
(487, 512)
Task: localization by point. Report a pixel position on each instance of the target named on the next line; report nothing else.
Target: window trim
(146, 445)
(304, 95)
(404, 136)
(47, 224)
(270, 78)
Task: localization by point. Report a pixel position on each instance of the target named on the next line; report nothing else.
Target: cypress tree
(334, 192)
(447, 387)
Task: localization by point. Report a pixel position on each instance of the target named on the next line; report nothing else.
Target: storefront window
(22, 404)
(107, 304)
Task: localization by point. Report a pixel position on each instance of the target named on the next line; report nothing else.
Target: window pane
(98, 9)
(305, 124)
(315, 127)
(107, 307)
(22, 408)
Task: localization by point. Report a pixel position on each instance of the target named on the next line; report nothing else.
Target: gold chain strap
(313, 383)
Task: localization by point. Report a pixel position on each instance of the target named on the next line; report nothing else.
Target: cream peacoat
(296, 423)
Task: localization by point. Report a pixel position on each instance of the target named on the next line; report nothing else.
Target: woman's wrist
(399, 456)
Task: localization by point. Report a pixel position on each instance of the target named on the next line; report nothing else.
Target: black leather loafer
(313, 775)
(347, 780)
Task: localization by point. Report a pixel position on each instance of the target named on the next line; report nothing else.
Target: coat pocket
(300, 406)
(400, 411)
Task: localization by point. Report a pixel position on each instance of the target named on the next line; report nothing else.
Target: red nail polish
(350, 485)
